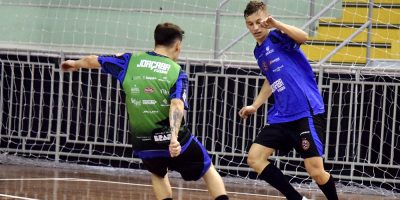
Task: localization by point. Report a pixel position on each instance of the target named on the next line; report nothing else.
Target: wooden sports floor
(31, 183)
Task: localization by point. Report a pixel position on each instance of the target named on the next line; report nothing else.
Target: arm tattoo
(176, 116)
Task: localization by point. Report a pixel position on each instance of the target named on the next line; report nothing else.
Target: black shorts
(192, 164)
(306, 135)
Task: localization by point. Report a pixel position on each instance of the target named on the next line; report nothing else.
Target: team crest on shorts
(305, 144)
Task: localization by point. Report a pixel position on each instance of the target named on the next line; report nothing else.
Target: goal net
(80, 118)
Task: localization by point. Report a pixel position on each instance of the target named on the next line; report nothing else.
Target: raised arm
(176, 112)
(88, 62)
(293, 32)
(263, 95)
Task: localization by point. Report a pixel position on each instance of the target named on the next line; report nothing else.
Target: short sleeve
(115, 65)
(284, 40)
(180, 89)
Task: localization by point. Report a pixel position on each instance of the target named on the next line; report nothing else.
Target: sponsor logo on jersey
(164, 103)
(155, 66)
(259, 56)
(278, 69)
(148, 90)
(149, 102)
(164, 80)
(135, 90)
(164, 91)
(136, 102)
(150, 78)
(268, 51)
(150, 111)
(274, 60)
(278, 85)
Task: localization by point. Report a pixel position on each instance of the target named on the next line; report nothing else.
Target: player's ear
(177, 45)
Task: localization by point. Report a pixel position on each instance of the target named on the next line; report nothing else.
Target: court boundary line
(36, 179)
(133, 184)
(17, 197)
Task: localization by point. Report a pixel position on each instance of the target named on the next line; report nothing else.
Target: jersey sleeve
(180, 89)
(285, 41)
(115, 65)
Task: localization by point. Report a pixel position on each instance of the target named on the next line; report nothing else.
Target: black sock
(222, 197)
(329, 189)
(168, 199)
(275, 177)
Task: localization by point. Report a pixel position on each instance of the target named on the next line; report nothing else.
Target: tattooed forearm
(176, 112)
(176, 116)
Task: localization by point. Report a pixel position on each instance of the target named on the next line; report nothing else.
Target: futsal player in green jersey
(156, 98)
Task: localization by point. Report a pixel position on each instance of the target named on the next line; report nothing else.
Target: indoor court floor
(33, 183)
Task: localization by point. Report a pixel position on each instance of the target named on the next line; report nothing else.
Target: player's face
(253, 23)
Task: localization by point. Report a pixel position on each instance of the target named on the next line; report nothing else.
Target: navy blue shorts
(306, 135)
(192, 163)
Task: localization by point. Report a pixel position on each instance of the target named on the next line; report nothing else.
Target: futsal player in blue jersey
(296, 120)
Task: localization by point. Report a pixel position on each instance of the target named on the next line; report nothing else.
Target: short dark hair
(167, 33)
(253, 6)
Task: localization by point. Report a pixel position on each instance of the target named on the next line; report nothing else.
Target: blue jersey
(291, 78)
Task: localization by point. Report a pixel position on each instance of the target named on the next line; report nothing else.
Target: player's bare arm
(263, 95)
(295, 33)
(176, 113)
(88, 62)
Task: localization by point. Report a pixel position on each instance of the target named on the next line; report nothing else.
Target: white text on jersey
(158, 67)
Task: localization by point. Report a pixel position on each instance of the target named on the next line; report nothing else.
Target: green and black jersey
(149, 81)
